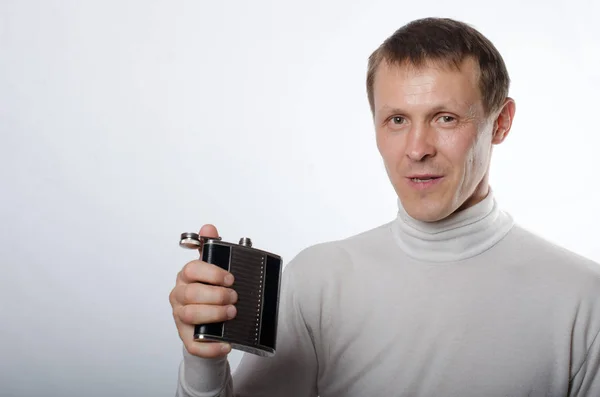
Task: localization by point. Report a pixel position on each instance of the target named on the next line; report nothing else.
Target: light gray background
(125, 123)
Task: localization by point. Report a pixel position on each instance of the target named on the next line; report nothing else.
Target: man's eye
(397, 120)
(447, 119)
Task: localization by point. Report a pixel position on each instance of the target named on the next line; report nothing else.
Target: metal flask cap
(195, 241)
(246, 242)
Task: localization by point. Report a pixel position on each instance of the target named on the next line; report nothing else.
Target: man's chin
(425, 210)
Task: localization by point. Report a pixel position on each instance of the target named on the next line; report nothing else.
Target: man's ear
(504, 121)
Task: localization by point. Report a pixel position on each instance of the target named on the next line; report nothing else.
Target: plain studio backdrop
(126, 123)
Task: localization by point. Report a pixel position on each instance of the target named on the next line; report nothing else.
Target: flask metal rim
(194, 240)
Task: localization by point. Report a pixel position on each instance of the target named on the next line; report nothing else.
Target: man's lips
(423, 182)
(424, 176)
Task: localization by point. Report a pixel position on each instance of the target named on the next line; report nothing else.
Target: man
(452, 298)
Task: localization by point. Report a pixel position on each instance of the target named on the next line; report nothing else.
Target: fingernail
(231, 312)
(233, 296)
(225, 348)
(228, 279)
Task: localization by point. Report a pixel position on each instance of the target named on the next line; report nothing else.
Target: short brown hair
(448, 41)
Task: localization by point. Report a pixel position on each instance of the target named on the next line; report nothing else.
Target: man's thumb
(209, 230)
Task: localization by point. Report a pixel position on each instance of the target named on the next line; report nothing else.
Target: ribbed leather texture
(248, 269)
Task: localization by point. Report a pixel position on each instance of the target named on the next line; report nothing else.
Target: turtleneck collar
(460, 236)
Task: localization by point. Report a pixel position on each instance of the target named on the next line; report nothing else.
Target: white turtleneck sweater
(472, 306)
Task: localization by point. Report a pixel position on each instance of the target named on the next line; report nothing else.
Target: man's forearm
(199, 377)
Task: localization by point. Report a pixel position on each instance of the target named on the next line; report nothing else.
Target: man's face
(434, 137)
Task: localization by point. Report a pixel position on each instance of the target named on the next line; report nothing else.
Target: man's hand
(196, 302)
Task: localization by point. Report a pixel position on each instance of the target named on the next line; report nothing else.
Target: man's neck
(462, 235)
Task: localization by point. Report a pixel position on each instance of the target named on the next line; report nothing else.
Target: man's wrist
(203, 377)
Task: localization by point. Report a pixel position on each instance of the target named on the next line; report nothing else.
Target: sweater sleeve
(199, 377)
(291, 372)
(586, 382)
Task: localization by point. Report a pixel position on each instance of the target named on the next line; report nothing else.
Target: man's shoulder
(341, 252)
(552, 258)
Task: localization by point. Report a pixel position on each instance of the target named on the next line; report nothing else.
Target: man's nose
(419, 145)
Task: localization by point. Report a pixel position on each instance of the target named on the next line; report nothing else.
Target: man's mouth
(423, 178)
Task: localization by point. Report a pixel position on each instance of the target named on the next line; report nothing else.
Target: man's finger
(197, 293)
(205, 314)
(208, 230)
(199, 271)
(208, 349)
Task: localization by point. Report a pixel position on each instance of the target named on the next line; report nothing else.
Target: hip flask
(257, 282)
